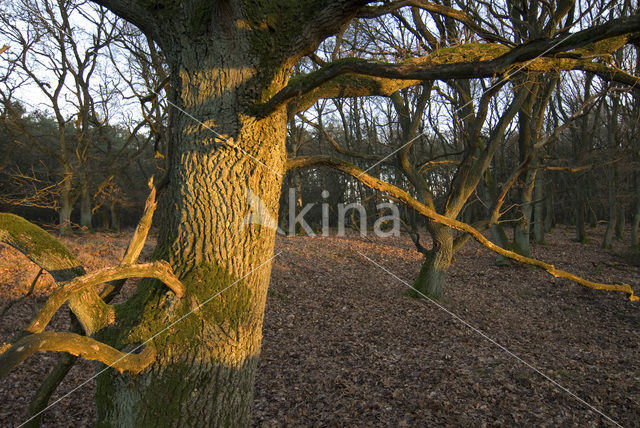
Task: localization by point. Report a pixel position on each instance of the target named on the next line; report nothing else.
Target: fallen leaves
(343, 346)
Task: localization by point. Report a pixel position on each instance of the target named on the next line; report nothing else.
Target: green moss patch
(215, 301)
(29, 238)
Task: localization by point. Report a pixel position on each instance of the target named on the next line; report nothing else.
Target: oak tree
(230, 95)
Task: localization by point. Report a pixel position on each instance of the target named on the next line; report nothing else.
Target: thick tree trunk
(206, 361)
(431, 279)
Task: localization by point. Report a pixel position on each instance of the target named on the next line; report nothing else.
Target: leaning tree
(231, 94)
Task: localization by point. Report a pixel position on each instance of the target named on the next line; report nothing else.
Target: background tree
(59, 56)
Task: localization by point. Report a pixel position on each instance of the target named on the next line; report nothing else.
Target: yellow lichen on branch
(406, 198)
(74, 344)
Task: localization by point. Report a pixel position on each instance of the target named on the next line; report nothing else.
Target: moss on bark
(31, 239)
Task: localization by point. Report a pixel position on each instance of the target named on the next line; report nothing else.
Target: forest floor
(343, 345)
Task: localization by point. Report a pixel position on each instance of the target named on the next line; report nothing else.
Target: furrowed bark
(227, 59)
(220, 155)
(306, 162)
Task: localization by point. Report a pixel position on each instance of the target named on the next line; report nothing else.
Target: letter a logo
(259, 213)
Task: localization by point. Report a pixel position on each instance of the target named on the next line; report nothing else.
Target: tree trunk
(66, 206)
(115, 220)
(635, 225)
(538, 209)
(581, 234)
(526, 143)
(620, 222)
(431, 279)
(612, 176)
(206, 362)
(500, 238)
(297, 185)
(522, 231)
(548, 211)
(85, 206)
(607, 241)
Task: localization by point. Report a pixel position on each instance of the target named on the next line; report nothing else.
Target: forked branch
(159, 270)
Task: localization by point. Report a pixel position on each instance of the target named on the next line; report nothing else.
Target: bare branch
(458, 15)
(574, 169)
(472, 60)
(374, 183)
(74, 344)
(336, 145)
